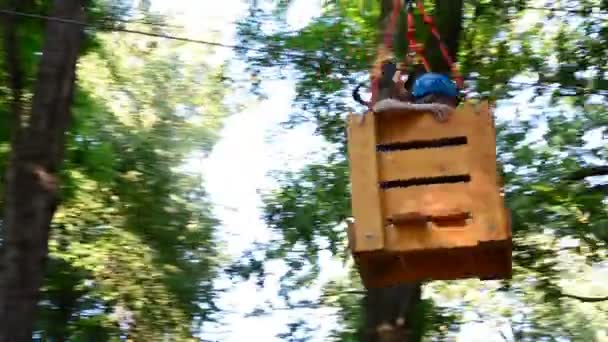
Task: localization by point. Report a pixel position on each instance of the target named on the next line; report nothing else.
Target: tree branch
(599, 188)
(586, 299)
(600, 170)
(336, 293)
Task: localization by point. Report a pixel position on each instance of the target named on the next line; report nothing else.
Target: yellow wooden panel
(427, 162)
(427, 199)
(479, 246)
(487, 222)
(480, 196)
(404, 126)
(487, 261)
(483, 143)
(417, 238)
(484, 179)
(484, 226)
(368, 233)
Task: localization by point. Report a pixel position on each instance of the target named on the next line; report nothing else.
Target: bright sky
(237, 170)
(245, 145)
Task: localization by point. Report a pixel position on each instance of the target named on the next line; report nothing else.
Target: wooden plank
(480, 246)
(486, 223)
(482, 140)
(366, 206)
(419, 238)
(427, 200)
(485, 183)
(403, 126)
(428, 162)
(480, 196)
(484, 226)
(493, 261)
(350, 233)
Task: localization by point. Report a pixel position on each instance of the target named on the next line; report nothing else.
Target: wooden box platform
(426, 197)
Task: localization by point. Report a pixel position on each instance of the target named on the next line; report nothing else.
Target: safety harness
(413, 46)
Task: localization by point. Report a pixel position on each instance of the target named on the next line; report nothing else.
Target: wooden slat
(403, 126)
(485, 182)
(435, 200)
(369, 229)
(437, 217)
(493, 261)
(450, 234)
(411, 239)
(487, 222)
(427, 200)
(482, 140)
(428, 162)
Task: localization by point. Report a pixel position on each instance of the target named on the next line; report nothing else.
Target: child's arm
(401, 93)
(440, 111)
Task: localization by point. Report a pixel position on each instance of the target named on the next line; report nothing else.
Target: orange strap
(413, 43)
(390, 29)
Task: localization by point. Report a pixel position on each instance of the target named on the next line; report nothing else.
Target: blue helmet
(433, 83)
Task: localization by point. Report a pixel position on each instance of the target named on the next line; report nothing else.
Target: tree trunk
(448, 18)
(31, 195)
(389, 312)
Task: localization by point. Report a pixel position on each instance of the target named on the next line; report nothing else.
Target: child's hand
(397, 77)
(441, 112)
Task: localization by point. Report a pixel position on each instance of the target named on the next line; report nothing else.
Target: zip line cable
(160, 35)
(120, 29)
(140, 22)
(184, 39)
(237, 47)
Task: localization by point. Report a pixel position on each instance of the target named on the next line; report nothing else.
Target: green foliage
(132, 249)
(305, 208)
(564, 53)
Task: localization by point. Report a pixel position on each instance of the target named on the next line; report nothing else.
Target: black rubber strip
(418, 144)
(404, 183)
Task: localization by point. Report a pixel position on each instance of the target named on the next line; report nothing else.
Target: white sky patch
(302, 12)
(495, 331)
(205, 20)
(236, 170)
(235, 173)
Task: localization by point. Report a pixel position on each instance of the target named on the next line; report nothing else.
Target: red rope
(413, 43)
(390, 29)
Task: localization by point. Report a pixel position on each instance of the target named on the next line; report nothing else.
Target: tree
(139, 253)
(131, 248)
(31, 193)
(390, 311)
(495, 45)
